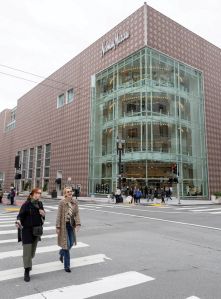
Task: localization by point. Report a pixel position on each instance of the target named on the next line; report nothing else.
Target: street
(123, 251)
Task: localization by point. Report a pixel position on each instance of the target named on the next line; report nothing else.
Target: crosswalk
(47, 263)
(213, 210)
(99, 286)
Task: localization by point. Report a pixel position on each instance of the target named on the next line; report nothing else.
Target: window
(31, 159)
(60, 100)
(47, 160)
(24, 164)
(38, 161)
(13, 114)
(70, 95)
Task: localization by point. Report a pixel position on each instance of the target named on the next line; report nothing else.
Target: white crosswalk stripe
(16, 240)
(201, 210)
(14, 231)
(102, 286)
(53, 266)
(10, 224)
(16, 253)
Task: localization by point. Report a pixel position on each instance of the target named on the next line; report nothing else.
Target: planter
(215, 199)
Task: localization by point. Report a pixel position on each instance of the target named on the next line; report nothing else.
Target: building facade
(148, 81)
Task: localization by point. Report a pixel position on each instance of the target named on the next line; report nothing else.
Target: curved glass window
(156, 105)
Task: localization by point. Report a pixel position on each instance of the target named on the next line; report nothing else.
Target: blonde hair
(65, 191)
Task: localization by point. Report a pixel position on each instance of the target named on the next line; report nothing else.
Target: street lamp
(120, 143)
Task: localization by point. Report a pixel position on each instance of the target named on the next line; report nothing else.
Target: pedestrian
(155, 194)
(11, 195)
(131, 193)
(170, 192)
(150, 191)
(137, 195)
(1, 195)
(77, 192)
(162, 193)
(145, 191)
(67, 224)
(118, 195)
(30, 222)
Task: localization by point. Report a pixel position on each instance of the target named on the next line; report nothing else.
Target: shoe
(61, 258)
(67, 270)
(26, 275)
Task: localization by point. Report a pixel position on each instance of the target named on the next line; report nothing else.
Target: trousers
(29, 253)
(70, 241)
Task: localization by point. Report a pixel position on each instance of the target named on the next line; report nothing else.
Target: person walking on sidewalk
(1, 195)
(162, 193)
(67, 224)
(11, 195)
(30, 222)
(137, 195)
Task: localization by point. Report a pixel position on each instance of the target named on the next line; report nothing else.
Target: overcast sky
(39, 36)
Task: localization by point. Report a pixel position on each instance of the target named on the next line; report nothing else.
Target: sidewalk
(19, 200)
(173, 202)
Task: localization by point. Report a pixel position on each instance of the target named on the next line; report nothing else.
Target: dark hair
(33, 191)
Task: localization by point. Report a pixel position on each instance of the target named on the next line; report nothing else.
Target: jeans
(70, 241)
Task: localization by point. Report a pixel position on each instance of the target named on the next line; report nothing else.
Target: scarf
(69, 211)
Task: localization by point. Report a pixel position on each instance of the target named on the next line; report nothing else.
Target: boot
(26, 275)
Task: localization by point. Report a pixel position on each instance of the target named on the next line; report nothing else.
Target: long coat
(29, 216)
(61, 222)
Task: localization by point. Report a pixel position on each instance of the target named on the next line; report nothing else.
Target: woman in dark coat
(29, 223)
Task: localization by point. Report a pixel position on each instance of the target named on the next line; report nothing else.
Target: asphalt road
(132, 252)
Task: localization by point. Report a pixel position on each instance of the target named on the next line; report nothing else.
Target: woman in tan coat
(67, 224)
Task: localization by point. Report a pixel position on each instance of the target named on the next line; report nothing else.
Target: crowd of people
(134, 194)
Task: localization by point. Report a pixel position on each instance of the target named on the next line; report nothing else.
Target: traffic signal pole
(119, 165)
(178, 185)
(120, 143)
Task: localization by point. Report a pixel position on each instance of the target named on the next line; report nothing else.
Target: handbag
(37, 231)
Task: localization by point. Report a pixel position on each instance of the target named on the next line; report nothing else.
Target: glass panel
(70, 95)
(155, 104)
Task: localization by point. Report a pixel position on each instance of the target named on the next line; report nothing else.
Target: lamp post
(120, 143)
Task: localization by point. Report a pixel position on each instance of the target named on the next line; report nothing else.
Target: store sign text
(109, 45)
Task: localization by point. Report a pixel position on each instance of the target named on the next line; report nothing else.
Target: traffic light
(175, 180)
(170, 181)
(121, 168)
(174, 169)
(17, 162)
(17, 176)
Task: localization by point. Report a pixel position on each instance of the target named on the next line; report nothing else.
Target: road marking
(16, 253)
(7, 220)
(193, 297)
(95, 288)
(51, 207)
(215, 213)
(15, 231)
(8, 215)
(16, 240)
(206, 210)
(191, 208)
(53, 266)
(13, 224)
(157, 219)
(145, 210)
(89, 206)
(12, 209)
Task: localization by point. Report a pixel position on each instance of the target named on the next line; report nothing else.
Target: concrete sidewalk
(174, 201)
(19, 200)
